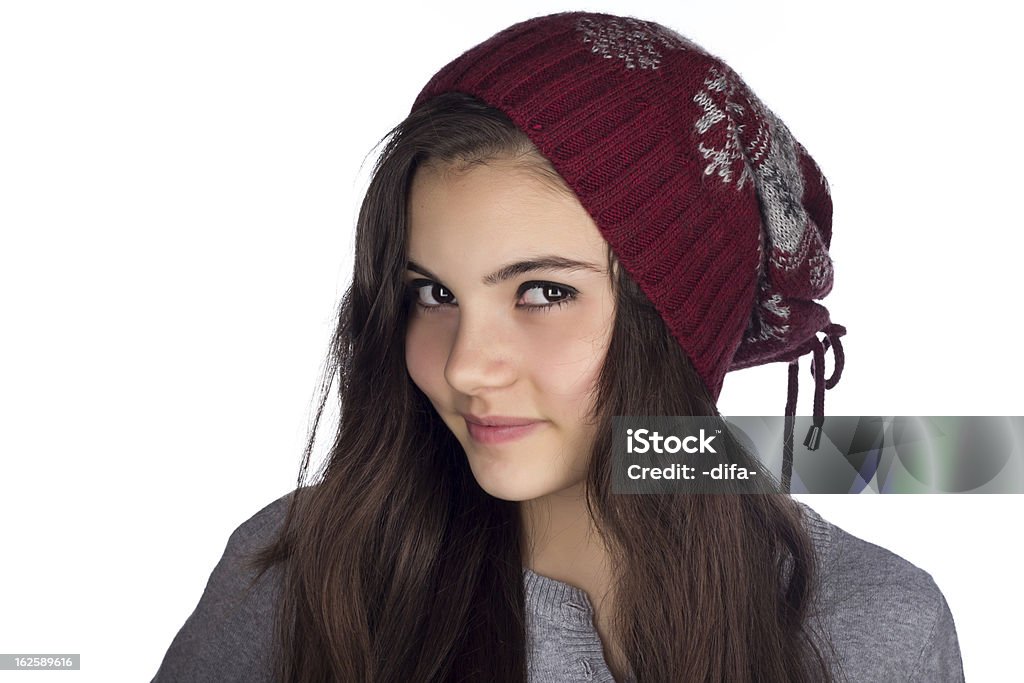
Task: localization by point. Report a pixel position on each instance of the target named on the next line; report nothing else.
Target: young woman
(582, 217)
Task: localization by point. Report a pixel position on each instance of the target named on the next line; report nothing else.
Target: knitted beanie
(720, 216)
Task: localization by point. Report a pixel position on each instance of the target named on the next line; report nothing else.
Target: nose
(481, 356)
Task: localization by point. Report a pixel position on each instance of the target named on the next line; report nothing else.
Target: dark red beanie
(721, 217)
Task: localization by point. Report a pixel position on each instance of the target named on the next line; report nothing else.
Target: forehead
(495, 208)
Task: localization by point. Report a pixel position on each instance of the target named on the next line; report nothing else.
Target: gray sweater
(887, 619)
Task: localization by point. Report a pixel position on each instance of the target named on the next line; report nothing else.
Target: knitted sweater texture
(886, 618)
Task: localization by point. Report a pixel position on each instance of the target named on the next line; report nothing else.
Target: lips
(498, 420)
(506, 429)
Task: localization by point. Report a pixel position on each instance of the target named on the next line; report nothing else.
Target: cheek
(425, 357)
(567, 360)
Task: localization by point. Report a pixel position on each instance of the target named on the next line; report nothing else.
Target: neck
(561, 541)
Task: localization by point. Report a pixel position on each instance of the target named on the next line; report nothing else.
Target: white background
(178, 189)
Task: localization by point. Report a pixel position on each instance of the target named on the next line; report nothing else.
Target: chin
(505, 489)
(508, 494)
(507, 482)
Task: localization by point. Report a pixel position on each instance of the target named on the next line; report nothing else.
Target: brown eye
(544, 294)
(439, 293)
(542, 297)
(429, 295)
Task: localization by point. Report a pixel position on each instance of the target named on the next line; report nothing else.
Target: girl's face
(511, 315)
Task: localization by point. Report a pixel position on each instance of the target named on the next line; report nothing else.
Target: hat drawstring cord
(818, 347)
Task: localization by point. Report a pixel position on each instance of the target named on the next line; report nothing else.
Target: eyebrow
(511, 270)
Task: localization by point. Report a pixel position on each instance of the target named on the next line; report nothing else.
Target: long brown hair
(396, 566)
